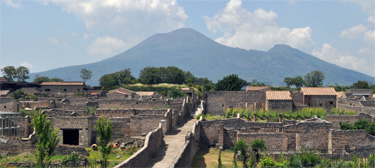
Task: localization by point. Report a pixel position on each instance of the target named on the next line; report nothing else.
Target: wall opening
(71, 137)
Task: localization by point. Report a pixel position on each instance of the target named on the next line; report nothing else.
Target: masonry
(217, 102)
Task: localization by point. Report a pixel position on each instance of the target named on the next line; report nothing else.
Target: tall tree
(22, 74)
(241, 146)
(9, 72)
(230, 83)
(109, 81)
(104, 128)
(85, 74)
(289, 81)
(314, 79)
(298, 81)
(41, 79)
(256, 146)
(360, 85)
(47, 139)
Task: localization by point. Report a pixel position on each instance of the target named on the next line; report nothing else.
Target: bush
(24, 112)
(71, 160)
(267, 161)
(19, 94)
(90, 110)
(199, 116)
(309, 159)
(227, 112)
(295, 161)
(246, 114)
(234, 113)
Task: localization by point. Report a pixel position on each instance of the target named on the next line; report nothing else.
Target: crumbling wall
(35, 104)
(218, 101)
(142, 124)
(128, 112)
(368, 103)
(279, 105)
(324, 101)
(274, 141)
(14, 146)
(131, 103)
(348, 140)
(154, 140)
(358, 110)
(336, 119)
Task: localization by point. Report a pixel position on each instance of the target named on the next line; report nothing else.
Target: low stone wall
(349, 140)
(368, 103)
(336, 119)
(128, 112)
(185, 157)
(69, 149)
(274, 141)
(358, 110)
(131, 103)
(153, 142)
(14, 146)
(35, 104)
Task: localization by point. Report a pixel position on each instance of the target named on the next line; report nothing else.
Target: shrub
(199, 116)
(240, 111)
(234, 112)
(246, 114)
(267, 161)
(309, 159)
(295, 161)
(361, 124)
(71, 160)
(227, 112)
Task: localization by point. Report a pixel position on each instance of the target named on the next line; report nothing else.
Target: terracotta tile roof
(63, 83)
(145, 93)
(278, 95)
(341, 94)
(319, 91)
(185, 89)
(4, 92)
(253, 88)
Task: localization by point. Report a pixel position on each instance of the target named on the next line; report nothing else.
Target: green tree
(314, 79)
(230, 83)
(256, 146)
(41, 79)
(298, 81)
(289, 81)
(9, 72)
(360, 85)
(104, 128)
(19, 94)
(22, 73)
(85, 74)
(110, 81)
(47, 139)
(241, 146)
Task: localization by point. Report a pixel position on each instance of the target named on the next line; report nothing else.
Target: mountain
(192, 51)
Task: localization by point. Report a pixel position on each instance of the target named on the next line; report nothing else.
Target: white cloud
(13, 4)
(106, 46)
(254, 30)
(363, 63)
(130, 21)
(353, 32)
(57, 42)
(369, 37)
(27, 65)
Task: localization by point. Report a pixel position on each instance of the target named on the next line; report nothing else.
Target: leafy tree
(289, 81)
(19, 94)
(230, 83)
(150, 75)
(41, 79)
(258, 145)
(314, 79)
(360, 85)
(298, 81)
(189, 78)
(104, 128)
(171, 74)
(241, 146)
(109, 81)
(47, 139)
(85, 74)
(22, 73)
(255, 82)
(9, 72)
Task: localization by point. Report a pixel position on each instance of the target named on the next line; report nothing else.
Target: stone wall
(274, 141)
(368, 103)
(325, 101)
(297, 97)
(35, 104)
(16, 126)
(69, 149)
(218, 101)
(343, 140)
(9, 105)
(154, 140)
(14, 146)
(336, 119)
(84, 125)
(61, 89)
(128, 112)
(126, 103)
(142, 124)
(185, 157)
(120, 129)
(358, 110)
(279, 105)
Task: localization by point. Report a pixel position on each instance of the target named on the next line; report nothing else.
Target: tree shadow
(198, 159)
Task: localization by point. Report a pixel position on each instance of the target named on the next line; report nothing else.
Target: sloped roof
(4, 92)
(341, 94)
(322, 91)
(278, 95)
(63, 83)
(145, 93)
(254, 88)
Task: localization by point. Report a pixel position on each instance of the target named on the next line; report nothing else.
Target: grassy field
(209, 158)
(93, 156)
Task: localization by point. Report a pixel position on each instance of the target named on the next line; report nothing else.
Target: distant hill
(194, 52)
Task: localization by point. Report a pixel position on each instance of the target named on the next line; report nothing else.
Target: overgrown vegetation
(104, 128)
(90, 110)
(20, 94)
(360, 124)
(24, 112)
(47, 139)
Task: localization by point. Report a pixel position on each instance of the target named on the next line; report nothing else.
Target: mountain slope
(192, 51)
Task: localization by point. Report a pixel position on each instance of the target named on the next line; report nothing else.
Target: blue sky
(47, 34)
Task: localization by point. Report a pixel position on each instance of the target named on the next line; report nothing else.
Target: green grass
(209, 158)
(27, 156)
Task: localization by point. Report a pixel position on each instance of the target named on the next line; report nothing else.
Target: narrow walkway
(174, 141)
